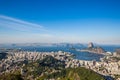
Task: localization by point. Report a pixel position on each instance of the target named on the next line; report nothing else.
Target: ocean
(78, 55)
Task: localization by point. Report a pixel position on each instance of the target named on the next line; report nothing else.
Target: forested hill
(79, 73)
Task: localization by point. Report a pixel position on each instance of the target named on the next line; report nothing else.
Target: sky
(56, 21)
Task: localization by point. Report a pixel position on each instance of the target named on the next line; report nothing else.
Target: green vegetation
(46, 66)
(116, 58)
(11, 77)
(112, 58)
(50, 68)
(51, 62)
(101, 68)
(74, 74)
(117, 76)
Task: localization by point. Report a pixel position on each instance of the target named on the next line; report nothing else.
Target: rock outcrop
(90, 45)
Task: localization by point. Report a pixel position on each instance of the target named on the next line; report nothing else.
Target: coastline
(107, 68)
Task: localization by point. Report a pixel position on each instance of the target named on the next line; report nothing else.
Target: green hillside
(74, 74)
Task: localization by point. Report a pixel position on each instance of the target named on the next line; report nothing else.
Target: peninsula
(93, 49)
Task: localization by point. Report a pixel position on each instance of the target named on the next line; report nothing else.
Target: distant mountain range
(40, 44)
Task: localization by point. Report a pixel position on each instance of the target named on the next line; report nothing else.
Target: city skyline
(58, 21)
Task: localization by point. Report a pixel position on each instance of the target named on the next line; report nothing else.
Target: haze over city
(46, 21)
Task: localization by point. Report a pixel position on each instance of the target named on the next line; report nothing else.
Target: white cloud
(17, 31)
(20, 25)
(23, 31)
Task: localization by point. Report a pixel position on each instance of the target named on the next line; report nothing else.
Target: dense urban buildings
(16, 60)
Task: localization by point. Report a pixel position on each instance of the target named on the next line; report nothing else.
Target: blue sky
(47, 21)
